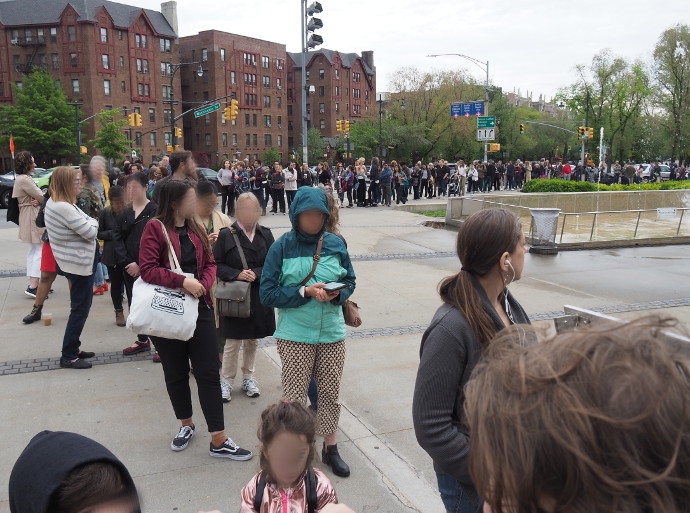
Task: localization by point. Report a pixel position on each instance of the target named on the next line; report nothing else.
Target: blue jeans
(81, 297)
(455, 499)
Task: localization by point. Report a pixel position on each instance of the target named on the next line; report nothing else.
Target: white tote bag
(162, 312)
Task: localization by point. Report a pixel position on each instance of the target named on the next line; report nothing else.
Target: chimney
(368, 58)
(169, 10)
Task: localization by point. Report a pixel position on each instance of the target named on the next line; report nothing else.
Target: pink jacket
(154, 265)
(291, 500)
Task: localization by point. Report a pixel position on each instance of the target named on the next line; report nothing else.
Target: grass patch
(433, 213)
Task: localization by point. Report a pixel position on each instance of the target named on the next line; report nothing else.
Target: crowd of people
(591, 420)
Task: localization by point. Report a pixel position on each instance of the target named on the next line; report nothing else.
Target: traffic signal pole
(305, 150)
(584, 139)
(486, 108)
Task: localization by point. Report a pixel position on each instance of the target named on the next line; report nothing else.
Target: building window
(124, 86)
(166, 116)
(255, 139)
(267, 101)
(122, 61)
(234, 139)
(289, 125)
(137, 138)
(322, 91)
(143, 41)
(289, 110)
(207, 120)
(153, 139)
(205, 77)
(2, 89)
(104, 35)
(222, 54)
(165, 45)
(279, 83)
(289, 78)
(280, 141)
(137, 40)
(322, 124)
(268, 140)
(139, 66)
(337, 90)
(246, 119)
(254, 119)
(267, 121)
(71, 33)
(337, 74)
(265, 62)
(280, 121)
(207, 138)
(73, 61)
(279, 102)
(337, 107)
(267, 81)
(358, 93)
(249, 59)
(106, 87)
(75, 86)
(166, 92)
(322, 74)
(308, 73)
(204, 54)
(356, 77)
(53, 34)
(233, 77)
(20, 85)
(167, 138)
(119, 35)
(248, 140)
(322, 108)
(152, 115)
(106, 61)
(224, 139)
(366, 94)
(55, 60)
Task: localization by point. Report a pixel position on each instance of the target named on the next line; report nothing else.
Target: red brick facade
(251, 70)
(100, 64)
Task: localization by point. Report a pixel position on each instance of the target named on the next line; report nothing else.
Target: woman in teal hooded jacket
(311, 328)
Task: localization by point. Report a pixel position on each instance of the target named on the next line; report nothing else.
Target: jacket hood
(45, 463)
(308, 198)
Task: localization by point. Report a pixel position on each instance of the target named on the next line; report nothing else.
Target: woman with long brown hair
(176, 210)
(586, 421)
(477, 305)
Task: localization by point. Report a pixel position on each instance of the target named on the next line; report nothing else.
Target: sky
(533, 45)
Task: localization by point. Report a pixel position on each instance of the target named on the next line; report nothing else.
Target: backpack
(310, 488)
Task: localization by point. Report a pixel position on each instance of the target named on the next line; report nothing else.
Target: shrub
(559, 185)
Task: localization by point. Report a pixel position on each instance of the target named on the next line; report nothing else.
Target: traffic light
(583, 132)
(522, 128)
(338, 126)
(347, 126)
(234, 109)
(132, 119)
(313, 24)
(494, 147)
(227, 113)
(137, 119)
(590, 133)
(178, 132)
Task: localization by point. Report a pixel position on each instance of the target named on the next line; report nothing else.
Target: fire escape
(33, 43)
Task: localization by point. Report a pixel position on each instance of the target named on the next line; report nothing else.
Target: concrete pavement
(398, 262)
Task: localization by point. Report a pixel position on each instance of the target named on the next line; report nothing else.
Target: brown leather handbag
(350, 308)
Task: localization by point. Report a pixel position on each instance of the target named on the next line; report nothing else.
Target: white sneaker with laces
(250, 386)
(226, 391)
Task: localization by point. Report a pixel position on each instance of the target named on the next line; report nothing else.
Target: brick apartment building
(105, 54)
(345, 88)
(247, 69)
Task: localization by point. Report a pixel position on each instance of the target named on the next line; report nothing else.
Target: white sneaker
(250, 386)
(226, 391)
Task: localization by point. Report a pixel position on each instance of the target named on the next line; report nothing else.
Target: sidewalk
(398, 262)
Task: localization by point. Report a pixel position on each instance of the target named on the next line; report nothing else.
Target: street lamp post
(380, 102)
(77, 128)
(172, 69)
(484, 66)
(308, 25)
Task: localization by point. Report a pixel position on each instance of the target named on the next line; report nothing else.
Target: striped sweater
(72, 237)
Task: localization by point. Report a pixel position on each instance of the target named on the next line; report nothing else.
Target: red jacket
(155, 267)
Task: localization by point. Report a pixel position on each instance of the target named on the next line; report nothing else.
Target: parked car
(6, 186)
(42, 178)
(211, 176)
(665, 172)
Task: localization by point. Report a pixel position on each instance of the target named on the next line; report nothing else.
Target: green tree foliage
(41, 121)
(110, 139)
(270, 156)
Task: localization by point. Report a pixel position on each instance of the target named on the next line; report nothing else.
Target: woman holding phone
(311, 326)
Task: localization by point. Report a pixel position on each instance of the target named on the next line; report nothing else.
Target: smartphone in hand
(335, 286)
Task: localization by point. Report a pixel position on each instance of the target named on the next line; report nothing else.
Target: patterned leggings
(325, 362)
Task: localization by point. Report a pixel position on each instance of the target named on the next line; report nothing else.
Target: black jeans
(227, 194)
(278, 196)
(202, 351)
(349, 195)
(259, 193)
(361, 193)
(117, 283)
(129, 283)
(290, 197)
(81, 297)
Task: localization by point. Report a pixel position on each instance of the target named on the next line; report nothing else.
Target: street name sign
(206, 110)
(486, 121)
(466, 109)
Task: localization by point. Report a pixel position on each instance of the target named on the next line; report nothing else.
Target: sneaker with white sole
(250, 386)
(181, 440)
(230, 450)
(226, 391)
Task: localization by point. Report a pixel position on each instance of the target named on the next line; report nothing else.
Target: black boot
(331, 457)
(35, 315)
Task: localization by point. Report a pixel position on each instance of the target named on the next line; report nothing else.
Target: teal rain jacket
(290, 260)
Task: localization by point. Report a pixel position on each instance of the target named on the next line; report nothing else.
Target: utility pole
(486, 109)
(305, 150)
(380, 102)
(584, 139)
(172, 69)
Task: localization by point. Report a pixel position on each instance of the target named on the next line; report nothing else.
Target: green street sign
(206, 110)
(486, 121)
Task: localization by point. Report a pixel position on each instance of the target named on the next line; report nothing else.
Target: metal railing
(595, 214)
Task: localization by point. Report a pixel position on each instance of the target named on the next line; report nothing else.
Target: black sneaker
(181, 440)
(83, 355)
(230, 450)
(76, 364)
(31, 292)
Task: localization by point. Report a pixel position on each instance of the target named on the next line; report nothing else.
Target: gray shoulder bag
(233, 298)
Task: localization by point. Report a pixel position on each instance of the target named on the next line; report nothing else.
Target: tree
(110, 140)
(41, 121)
(316, 147)
(672, 69)
(270, 156)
